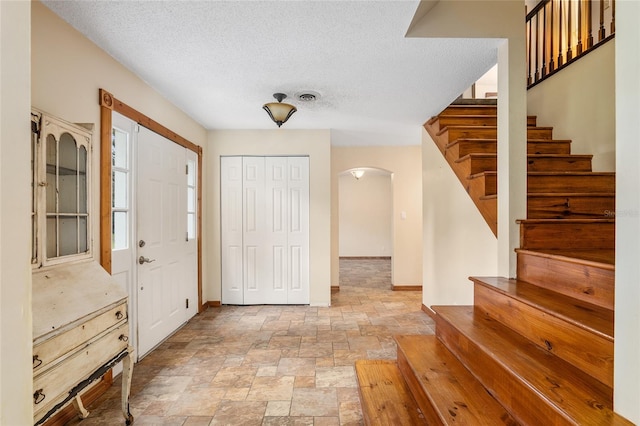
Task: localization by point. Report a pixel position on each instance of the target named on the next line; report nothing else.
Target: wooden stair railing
(533, 350)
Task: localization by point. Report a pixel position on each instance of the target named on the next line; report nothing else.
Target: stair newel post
(579, 46)
(569, 38)
(601, 31)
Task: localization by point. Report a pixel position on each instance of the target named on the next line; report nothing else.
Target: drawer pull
(124, 338)
(38, 396)
(36, 360)
(119, 315)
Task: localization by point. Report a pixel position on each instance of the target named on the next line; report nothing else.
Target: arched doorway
(365, 199)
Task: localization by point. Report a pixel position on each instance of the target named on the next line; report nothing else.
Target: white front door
(167, 259)
(265, 230)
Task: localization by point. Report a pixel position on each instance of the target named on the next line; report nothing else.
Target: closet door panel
(256, 254)
(298, 230)
(231, 230)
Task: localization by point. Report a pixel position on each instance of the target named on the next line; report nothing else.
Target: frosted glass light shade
(357, 173)
(278, 111)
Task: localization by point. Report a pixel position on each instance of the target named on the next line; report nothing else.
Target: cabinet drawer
(50, 350)
(56, 383)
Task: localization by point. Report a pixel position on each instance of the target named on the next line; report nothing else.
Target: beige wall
(67, 70)
(314, 143)
(579, 103)
(365, 214)
(404, 162)
(458, 243)
(15, 197)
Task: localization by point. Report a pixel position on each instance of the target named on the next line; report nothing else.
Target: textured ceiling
(220, 61)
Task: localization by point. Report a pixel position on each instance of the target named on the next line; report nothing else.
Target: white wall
(365, 214)
(458, 243)
(15, 229)
(578, 103)
(405, 163)
(314, 143)
(627, 316)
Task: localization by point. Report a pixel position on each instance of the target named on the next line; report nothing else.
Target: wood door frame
(108, 104)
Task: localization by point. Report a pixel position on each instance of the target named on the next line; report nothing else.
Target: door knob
(142, 260)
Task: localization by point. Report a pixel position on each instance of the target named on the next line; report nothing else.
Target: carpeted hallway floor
(271, 365)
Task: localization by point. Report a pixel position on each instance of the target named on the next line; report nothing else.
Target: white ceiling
(220, 61)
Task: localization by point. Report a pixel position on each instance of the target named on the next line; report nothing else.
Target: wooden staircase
(536, 350)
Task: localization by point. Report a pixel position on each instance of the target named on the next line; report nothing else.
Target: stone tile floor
(271, 365)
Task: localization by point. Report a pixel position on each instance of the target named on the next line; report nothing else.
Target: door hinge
(187, 303)
(186, 169)
(186, 236)
(136, 128)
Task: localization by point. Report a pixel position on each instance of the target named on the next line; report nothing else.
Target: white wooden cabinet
(80, 331)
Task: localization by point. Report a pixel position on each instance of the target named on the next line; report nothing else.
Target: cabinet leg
(79, 406)
(127, 372)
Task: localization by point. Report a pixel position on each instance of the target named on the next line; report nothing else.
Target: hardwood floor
(271, 365)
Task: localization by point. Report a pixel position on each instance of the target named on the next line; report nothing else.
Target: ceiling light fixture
(357, 173)
(278, 111)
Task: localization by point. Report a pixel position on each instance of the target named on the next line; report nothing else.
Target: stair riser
(455, 133)
(570, 164)
(464, 147)
(580, 183)
(515, 396)
(473, 165)
(467, 120)
(478, 164)
(563, 184)
(570, 207)
(470, 110)
(591, 353)
(562, 148)
(486, 184)
(567, 236)
(585, 282)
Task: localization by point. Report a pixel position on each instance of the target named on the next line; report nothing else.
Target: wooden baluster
(613, 17)
(569, 38)
(601, 32)
(544, 41)
(579, 46)
(529, 55)
(589, 26)
(551, 63)
(560, 34)
(537, 75)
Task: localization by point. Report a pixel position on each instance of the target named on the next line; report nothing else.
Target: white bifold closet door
(265, 230)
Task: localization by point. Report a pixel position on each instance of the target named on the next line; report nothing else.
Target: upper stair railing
(561, 31)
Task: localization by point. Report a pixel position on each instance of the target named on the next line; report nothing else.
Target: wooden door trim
(108, 104)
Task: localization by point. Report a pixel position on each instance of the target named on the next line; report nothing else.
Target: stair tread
(600, 258)
(384, 394)
(562, 221)
(571, 194)
(585, 315)
(571, 173)
(574, 394)
(495, 155)
(473, 127)
(454, 393)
